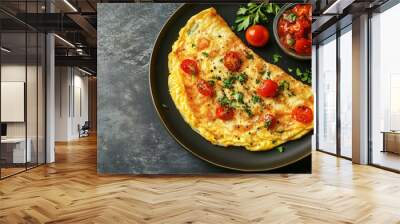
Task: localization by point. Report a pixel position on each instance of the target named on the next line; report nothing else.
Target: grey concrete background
(131, 138)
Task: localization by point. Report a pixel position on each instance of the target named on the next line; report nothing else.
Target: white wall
(69, 84)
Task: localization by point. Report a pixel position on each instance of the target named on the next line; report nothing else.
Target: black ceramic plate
(236, 158)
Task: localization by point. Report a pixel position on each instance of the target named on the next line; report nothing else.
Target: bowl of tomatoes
(292, 30)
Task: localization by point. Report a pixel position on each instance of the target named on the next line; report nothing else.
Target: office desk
(391, 141)
(16, 147)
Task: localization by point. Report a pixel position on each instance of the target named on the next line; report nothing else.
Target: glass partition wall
(22, 116)
(385, 90)
(334, 91)
(326, 60)
(345, 93)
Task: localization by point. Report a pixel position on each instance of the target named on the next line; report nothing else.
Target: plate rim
(152, 59)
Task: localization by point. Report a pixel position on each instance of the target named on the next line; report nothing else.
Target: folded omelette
(231, 96)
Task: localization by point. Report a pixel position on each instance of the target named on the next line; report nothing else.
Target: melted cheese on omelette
(206, 38)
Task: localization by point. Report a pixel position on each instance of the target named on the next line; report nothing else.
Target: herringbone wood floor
(70, 191)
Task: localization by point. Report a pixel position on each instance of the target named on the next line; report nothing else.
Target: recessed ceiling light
(64, 40)
(70, 5)
(337, 7)
(84, 71)
(5, 50)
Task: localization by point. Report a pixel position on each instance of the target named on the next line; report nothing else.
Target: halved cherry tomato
(303, 114)
(205, 88)
(190, 67)
(257, 35)
(232, 61)
(268, 88)
(224, 113)
(270, 121)
(303, 46)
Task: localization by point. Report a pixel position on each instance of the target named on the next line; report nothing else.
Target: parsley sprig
(254, 13)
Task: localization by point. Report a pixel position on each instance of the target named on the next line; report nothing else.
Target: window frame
(338, 33)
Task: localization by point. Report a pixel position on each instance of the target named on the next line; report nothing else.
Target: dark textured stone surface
(131, 138)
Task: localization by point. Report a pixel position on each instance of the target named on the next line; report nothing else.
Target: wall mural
(204, 88)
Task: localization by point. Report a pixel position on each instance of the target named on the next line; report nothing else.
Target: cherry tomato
(268, 88)
(257, 35)
(303, 114)
(205, 88)
(224, 113)
(270, 121)
(202, 43)
(232, 61)
(190, 67)
(303, 46)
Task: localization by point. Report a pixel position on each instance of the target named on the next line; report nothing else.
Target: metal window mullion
(45, 91)
(369, 79)
(37, 91)
(338, 73)
(316, 97)
(26, 87)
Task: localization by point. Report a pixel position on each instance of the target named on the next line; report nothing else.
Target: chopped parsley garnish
(291, 17)
(280, 148)
(238, 96)
(304, 76)
(211, 82)
(255, 99)
(249, 55)
(228, 83)
(267, 123)
(215, 77)
(246, 108)
(242, 78)
(205, 54)
(276, 58)
(283, 85)
(257, 81)
(267, 75)
(225, 101)
(193, 45)
(290, 41)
